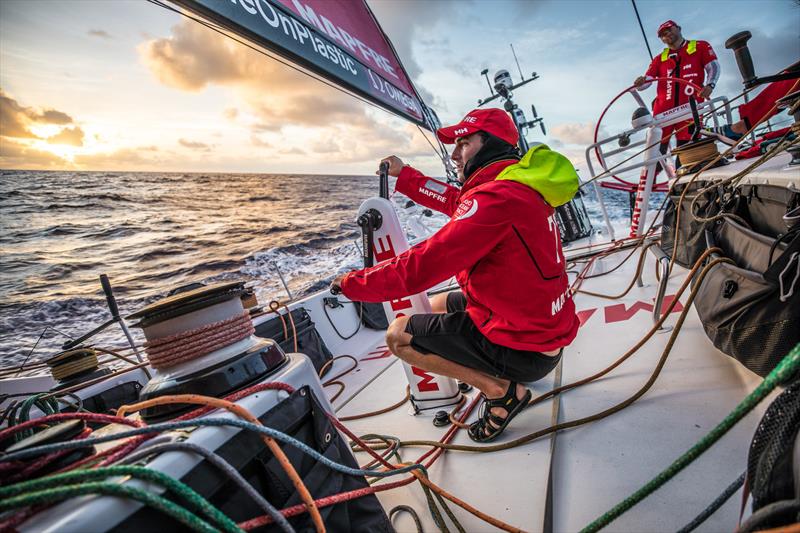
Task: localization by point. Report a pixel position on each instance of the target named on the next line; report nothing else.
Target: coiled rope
(187, 345)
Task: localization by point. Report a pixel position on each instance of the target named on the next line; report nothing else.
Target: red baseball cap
(491, 120)
(665, 26)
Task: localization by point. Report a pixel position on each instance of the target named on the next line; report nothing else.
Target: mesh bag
(309, 341)
(769, 461)
(689, 232)
(765, 205)
(751, 310)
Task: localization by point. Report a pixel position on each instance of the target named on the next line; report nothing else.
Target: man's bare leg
(399, 342)
(439, 302)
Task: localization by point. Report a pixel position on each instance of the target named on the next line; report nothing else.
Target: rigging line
(426, 111)
(438, 153)
(222, 32)
(644, 35)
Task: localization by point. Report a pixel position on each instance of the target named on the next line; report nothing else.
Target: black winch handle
(367, 238)
(112, 306)
(112, 302)
(383, 172)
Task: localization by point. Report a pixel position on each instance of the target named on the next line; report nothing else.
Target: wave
(263, 198)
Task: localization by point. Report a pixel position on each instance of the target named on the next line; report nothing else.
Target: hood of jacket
(547, 172)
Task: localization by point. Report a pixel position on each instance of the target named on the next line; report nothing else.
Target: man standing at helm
(693, 61)
(513, 314)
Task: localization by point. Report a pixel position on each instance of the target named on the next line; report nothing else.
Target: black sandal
(489, 426)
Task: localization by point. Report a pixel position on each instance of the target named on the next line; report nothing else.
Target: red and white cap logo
(665, 26)
(491, 120)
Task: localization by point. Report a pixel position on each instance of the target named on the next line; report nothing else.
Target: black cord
(409, 510)
(729, 491)
(358, 327)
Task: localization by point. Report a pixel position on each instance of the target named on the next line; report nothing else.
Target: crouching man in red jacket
(514, 314)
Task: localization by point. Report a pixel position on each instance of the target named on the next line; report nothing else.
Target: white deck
(776, 171)
(595, 466)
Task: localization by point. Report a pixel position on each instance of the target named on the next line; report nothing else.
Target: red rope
(197, 342)
(32, 467)
(60, 417)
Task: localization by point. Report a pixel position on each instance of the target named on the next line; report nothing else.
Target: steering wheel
(632, 90)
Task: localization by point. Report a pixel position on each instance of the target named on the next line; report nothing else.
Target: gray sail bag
(751, 309)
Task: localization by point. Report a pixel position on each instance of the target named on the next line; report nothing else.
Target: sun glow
(64, 151)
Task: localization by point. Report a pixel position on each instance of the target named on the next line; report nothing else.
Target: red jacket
(688, 63)
(502, 244)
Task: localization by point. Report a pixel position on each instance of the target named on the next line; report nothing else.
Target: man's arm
(643, 82)
(711, 67)
(481, 222)
(427, 191)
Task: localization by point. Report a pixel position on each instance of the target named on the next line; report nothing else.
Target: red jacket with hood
(503, 246)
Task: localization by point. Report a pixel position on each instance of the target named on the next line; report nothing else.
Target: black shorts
(455, 337)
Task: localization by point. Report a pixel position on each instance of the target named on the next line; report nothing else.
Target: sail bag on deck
(751, 309)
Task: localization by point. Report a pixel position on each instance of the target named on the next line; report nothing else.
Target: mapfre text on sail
(304, 36)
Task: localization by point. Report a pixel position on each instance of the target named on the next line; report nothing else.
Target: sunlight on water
(153, 232)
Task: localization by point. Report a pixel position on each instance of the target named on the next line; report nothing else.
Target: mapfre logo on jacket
(466, 209)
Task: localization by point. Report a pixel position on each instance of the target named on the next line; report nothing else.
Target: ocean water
(153, 232)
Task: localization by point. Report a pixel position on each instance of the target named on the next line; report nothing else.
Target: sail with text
(339, 40)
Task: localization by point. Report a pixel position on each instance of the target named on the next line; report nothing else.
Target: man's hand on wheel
(395, 165)
(336, 284)
(706, 91)
(638, 82)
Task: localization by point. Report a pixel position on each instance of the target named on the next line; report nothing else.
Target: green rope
(167, 507)
(787, 368)
(195, 500)
(45, 403)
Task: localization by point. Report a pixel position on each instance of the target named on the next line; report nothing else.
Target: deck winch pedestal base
(429, 392)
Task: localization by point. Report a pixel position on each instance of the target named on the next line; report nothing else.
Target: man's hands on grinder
(395, 165)
(336, 284)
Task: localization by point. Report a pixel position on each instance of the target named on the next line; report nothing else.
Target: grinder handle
(383, 171)
(112, 302)
(738, 43)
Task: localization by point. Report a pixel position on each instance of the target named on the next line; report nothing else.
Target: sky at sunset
(126, 85)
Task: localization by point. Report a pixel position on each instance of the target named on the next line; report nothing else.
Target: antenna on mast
(521, 75)
(485, 74)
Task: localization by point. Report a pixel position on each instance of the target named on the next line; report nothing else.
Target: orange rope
(244, 414)
(273, 306)
(791, 528)
(291, 322)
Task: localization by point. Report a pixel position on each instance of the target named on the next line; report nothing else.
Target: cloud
(258, 141)
(293, 151)
(51, 116)
(16, 119)
(274, 97)
(405, 28)
(231, 113)
(18, 155)
(575, 133)
(73, 136)
(194, 145)
(141, 157)
(195, 56)
(99, 33)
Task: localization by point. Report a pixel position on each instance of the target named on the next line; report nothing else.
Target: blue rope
(213, 422)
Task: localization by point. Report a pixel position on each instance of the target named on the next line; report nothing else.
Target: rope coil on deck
(68, 364)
